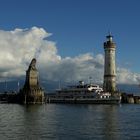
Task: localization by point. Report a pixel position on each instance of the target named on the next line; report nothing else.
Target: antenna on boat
(90, 80)
(5, 86)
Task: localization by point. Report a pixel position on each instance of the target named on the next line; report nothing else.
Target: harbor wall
(130, 98)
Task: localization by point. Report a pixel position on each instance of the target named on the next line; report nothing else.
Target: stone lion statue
(32, 65)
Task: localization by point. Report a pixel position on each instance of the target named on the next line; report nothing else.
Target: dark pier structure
(32, 93)
(130, 98)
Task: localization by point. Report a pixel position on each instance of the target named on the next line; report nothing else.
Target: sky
(66, 37)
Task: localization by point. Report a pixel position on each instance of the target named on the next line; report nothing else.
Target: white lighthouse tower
(109, 66)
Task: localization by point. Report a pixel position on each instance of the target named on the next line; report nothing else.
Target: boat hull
(84, 101)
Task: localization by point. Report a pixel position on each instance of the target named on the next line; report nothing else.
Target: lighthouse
(109, 84)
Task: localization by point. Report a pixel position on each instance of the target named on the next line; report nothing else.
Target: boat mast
(5, 86)
(18, 86)
(90, 80)
(59, 85)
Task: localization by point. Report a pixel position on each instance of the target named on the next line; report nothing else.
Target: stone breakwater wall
(130, 98)
(9, 98)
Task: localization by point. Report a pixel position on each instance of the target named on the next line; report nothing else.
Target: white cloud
(19, 46)
(73, 69)
(125, 76)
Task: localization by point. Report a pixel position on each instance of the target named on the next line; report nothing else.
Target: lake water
(69, 122)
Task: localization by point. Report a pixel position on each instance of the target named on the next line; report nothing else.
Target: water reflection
(103, 120)
(80, 122)
(110, 127)
(32, 122)
(86, 122)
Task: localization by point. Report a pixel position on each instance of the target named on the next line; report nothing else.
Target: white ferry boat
(83, 93)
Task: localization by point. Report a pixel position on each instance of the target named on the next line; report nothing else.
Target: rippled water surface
(69, 122)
